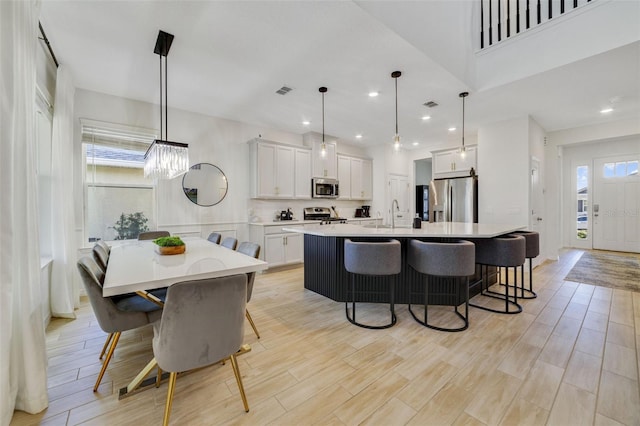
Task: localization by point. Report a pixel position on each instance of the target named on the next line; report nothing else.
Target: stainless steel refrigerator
(454, 200)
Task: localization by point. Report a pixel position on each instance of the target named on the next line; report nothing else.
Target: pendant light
(462, 151)
(323, 146)
(396, 138)
(165, 159)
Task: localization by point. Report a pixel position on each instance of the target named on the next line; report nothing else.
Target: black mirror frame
(185, 190)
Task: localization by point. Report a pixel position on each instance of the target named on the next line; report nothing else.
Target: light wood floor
(571, 358)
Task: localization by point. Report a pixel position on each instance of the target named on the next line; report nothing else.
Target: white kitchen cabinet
(278, 247)
(450, 163)
(344, 177)
(325, 166)
(302, 175)
(354, 176)
(280, 171)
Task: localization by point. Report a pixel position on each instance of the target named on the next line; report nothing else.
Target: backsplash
(268, 210)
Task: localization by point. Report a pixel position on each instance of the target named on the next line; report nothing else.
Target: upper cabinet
(325, 166)
(279, 170)
(450, 162)
(354, 177)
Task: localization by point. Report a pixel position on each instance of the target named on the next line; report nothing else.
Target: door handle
(539, 219)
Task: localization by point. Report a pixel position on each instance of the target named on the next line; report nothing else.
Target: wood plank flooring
(571, 358)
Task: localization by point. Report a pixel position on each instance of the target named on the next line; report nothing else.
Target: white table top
(428, 230)
(135, 265)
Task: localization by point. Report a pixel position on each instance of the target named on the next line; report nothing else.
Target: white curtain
(65, 295)
(23, 363)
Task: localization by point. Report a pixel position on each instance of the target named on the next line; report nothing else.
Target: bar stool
(382, 259)
(532, 249)
(454, 261)
(507, 251)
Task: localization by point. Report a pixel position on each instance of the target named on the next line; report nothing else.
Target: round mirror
(204, 184)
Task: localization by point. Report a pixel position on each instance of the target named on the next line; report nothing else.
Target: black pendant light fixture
(396, 138)
(165, 159)
(462, 148)
(323, 147)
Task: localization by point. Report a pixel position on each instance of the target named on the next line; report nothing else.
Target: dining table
(137, 266)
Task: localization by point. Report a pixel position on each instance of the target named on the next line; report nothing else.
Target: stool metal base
(465, 317)
(508, 302)
(530, 294)
(352, 317)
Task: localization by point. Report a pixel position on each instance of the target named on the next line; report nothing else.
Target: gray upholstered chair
(507, 251)
(104, 245)
(382, 259)
(114, 317)
(452, 263)
(253, 250)
(152, 235)
(202, 323)
(230, 243)
(214, 237)
(532, 250)
(101, 256)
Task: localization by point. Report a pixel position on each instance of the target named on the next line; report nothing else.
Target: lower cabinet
(278, 247)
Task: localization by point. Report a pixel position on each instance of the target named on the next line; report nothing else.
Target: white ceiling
(228, 59)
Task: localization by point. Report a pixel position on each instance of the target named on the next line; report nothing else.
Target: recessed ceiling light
(426, 117)
(452, 129)
(606, 110)
(373, 94)
(358, 136)
(306, 122)
(416, 143)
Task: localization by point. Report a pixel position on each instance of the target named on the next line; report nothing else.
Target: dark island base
(324, 273)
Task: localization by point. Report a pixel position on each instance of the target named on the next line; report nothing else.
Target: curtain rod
(46, 41)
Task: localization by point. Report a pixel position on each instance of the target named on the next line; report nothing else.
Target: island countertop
(428, 230)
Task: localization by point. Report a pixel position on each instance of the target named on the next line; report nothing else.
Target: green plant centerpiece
(170, 245)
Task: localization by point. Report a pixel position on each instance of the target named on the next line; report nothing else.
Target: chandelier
(165, 159)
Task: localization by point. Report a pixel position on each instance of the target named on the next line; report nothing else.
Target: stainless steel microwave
(324, 188)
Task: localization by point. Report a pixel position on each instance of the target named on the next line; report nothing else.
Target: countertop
(428, 230)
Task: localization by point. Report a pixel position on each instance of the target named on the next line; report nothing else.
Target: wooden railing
(501, 19)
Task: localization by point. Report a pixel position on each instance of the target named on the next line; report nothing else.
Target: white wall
(213, 140)
(503, 177)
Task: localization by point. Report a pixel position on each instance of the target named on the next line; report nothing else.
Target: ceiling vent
(430, 104)
(283, 90)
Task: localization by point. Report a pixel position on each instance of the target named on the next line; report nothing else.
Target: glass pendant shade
(323, 146)
(166, 160)
(323, 149)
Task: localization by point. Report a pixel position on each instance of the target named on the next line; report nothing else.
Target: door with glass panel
(616, 204)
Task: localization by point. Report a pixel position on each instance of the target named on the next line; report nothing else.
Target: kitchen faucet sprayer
(393, 221)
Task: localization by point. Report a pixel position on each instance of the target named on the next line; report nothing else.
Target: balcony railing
(501, 19)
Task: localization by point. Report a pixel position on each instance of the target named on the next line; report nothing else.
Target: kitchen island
(324, 271)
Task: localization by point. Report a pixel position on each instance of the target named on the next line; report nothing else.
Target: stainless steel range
(323, 215)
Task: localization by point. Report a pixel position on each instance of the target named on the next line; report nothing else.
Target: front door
(616, 204)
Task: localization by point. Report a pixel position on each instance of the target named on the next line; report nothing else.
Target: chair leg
(114, 343)
(167, 406)
(255, 330)
(106, 345)
(236, 371)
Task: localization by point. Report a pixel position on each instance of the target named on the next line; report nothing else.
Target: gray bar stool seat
(455, 261)
(532, 250)
(507, 251)
(372, 258)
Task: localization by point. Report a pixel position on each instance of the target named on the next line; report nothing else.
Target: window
(119, 200)
(620, 169)
(582, 211)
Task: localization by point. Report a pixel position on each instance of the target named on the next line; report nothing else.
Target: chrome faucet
(393, 221)
(378, 218)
